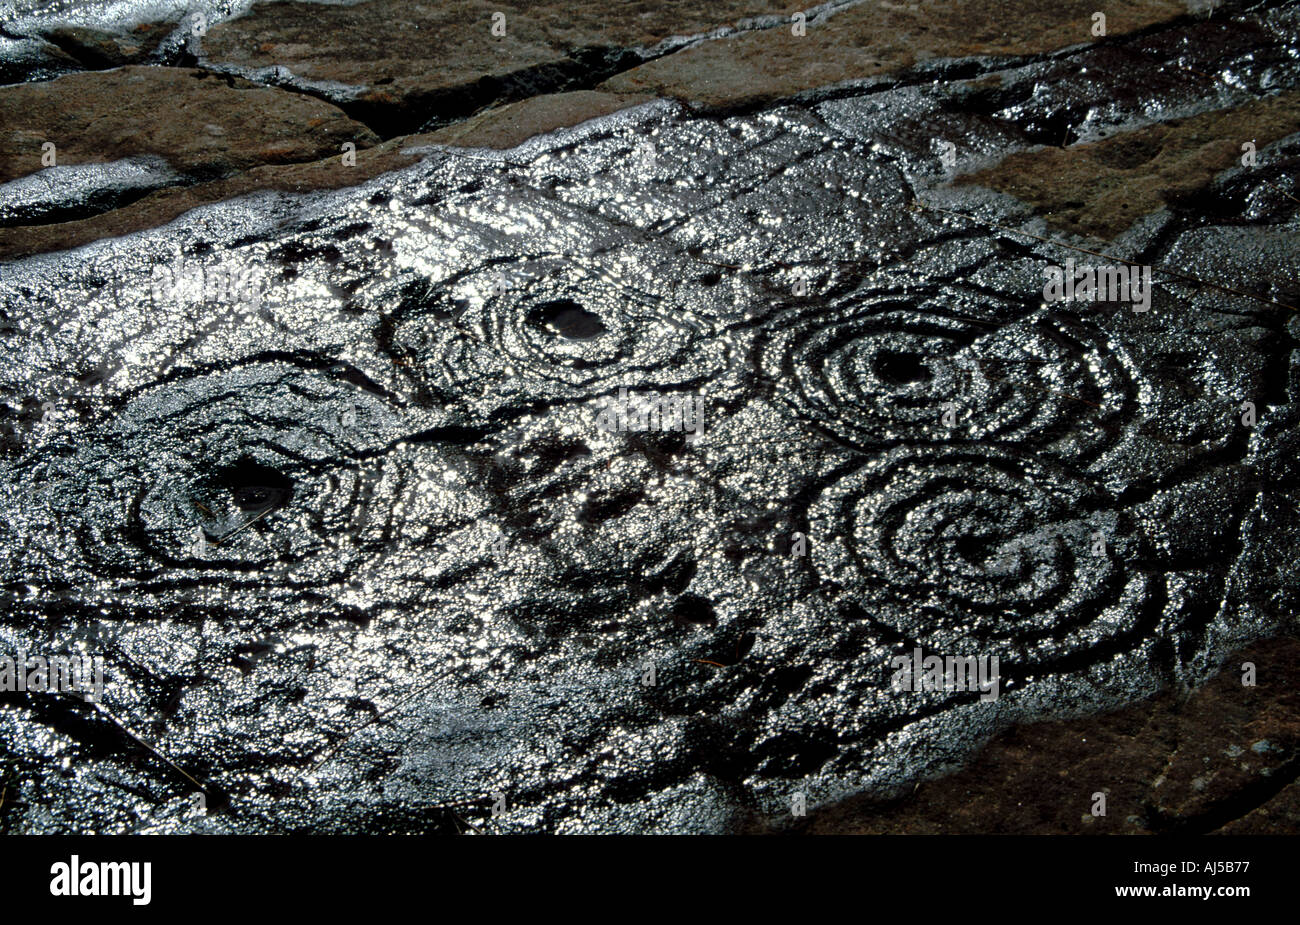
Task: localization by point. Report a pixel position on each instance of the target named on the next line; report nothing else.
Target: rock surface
(1223, 759)
(164, 205)
(407, 66)
(496, 128)
(875, 39)
(203, 125)
(322, 465)
(1101, 189)
(515, 123)
(96, 49)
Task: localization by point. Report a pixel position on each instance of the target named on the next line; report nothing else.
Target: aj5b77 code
(1191, 867)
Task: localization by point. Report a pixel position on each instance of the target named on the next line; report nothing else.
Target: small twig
(470, 157)
(1280, 190)
(247, 523)
(155, 752)
(329, 752)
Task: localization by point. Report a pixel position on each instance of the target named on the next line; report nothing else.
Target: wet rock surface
(1220, 760)
(513, 123)
(1101, 189)
(325, 478)
(136, 208)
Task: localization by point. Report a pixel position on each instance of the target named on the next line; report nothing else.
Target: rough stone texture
(1101, 189)
(508, 125)
(323, 472)
(96, 49)
(426, 573)
(32, 59)
(1223, 759)
(370, 41)
(71, 191)
(203, 125)
(161, 207)
(873, 39)
(495, 128)
(985, 109)
(409, 64)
